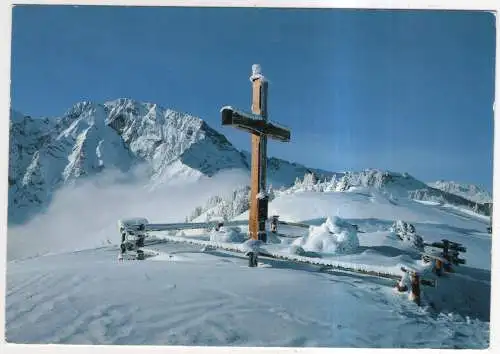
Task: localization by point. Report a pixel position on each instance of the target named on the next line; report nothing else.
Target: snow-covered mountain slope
(468, 191)
(46, 154)
(397, 185)
(187, 297)
(394, 186)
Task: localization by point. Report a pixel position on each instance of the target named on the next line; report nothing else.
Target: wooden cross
(258, 125)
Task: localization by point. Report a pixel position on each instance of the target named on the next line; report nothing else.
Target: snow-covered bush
(231, 234)
(227, 206)
(426, 195)
(366, 178)
(224, 207)
(407, 233)
(343, 184)
(311, 183)
(334, 236)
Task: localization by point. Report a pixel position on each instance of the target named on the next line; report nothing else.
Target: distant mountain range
(46, 154)
(89, 138)
(468, 191)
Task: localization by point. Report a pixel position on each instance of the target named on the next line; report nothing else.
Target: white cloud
(86, 215)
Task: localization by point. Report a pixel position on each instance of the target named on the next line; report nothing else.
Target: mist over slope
(85, 215)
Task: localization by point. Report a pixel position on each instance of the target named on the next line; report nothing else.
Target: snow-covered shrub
(366, 178)
(311, 183)
(231, 234)
(400, 227)
(224, 207)
(429, 195)
(343, 184)
(407, 233)
(334, 236)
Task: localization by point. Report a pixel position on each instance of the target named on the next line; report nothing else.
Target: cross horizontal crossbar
(254, 124)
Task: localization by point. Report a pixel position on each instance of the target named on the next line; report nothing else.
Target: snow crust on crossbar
(185, 226)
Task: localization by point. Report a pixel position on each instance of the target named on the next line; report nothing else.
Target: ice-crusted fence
(393, 272)
(335, 236)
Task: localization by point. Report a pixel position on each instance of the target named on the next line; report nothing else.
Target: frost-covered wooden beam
(193, 225)
(253, 123)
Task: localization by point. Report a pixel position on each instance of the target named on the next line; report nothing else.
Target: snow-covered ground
(185, 296)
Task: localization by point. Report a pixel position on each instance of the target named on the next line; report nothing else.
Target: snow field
(185, 296)
(89, 298)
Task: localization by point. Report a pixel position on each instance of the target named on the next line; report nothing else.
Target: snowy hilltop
(196, 289)
(394, 185)
(46, 154)
(468, 191)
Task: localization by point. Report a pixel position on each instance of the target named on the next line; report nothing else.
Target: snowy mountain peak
(119, 134)
(90, 137)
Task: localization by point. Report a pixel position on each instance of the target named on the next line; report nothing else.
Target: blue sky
(404, 91)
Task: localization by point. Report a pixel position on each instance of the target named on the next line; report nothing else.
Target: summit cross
(257, 124)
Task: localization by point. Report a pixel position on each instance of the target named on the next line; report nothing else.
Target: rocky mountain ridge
(46, 154)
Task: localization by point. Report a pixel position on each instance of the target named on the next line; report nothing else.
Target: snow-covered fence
(325, 265)
(449, 255)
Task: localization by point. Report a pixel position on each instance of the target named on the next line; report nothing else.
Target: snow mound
(334, 236)
(228, 235)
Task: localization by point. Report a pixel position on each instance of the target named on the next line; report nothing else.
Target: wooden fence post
(438, 267)
(415, 287)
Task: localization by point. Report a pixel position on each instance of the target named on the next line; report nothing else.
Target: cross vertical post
(257, 124)
(259, 201)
